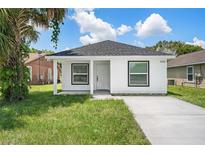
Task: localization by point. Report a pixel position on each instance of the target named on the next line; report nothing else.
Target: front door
(102, 76)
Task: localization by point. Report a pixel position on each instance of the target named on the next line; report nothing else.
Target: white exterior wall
(119, 75)
(157, 76)
(66, 77)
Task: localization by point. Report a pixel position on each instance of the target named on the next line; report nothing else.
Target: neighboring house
(116, 67)
(41, 70)
(188, 70)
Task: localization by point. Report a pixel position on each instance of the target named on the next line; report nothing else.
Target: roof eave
(108, 57)
(196, 63)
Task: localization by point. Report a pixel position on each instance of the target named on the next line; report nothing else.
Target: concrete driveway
(167, 120)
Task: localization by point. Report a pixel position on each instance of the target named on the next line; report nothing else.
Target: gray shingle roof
(109, 48)
(188, 59)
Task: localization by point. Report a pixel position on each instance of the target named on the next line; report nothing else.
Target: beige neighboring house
(187, 70)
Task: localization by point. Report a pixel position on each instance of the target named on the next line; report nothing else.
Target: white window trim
(30, 72)
(147, 84)
(73, 74)
(190, 74)
(50, 77)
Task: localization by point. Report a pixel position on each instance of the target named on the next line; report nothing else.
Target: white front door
(102, 76)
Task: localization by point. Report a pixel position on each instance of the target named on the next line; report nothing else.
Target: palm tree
(17, 31)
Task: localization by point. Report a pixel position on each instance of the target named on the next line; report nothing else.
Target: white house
(111, 66)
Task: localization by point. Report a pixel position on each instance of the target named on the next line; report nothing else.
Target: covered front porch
(82, 76)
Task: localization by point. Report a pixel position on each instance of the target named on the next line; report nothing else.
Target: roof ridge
(86, 45)
(105, 41)
(195, 52)
(108, 48)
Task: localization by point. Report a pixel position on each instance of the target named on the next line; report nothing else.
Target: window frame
(190, 74)
(50, 74)
(72, 74)
(30, 72)
(148, 73)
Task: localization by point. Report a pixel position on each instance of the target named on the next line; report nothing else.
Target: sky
(139, 27)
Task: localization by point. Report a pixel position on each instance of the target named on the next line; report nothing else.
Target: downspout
(200, 78)
(39, 70)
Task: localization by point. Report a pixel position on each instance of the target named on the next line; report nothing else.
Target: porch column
(91, 77)
(55, 77)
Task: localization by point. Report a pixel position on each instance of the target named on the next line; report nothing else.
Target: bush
(14, 82)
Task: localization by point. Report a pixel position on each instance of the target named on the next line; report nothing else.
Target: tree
(33, 50)
(17, 31)
(175, 47)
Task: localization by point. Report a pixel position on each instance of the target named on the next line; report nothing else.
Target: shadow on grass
(9, 120)
(173, 94)
(36, 104)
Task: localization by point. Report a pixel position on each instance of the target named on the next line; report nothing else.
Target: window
(190, 73)
(138, 73)
(79, 73)
(30, 72)
(49, 74)
(42, 76)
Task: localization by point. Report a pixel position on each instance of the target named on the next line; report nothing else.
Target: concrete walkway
(167, 120)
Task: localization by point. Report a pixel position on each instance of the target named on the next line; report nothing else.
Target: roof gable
(108, 48)
(33, 57)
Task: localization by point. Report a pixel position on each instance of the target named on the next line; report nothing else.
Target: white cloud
(95, 29)
(66, 48)
(123, 29)
(84, 9)
(152, 26)
(139, 44)
(198, 42)
(41, 29)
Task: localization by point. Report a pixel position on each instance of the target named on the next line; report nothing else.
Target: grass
(72, 119)
(193, 95)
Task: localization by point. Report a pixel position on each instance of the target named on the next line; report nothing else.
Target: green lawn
(46, 119)
(189, 94)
